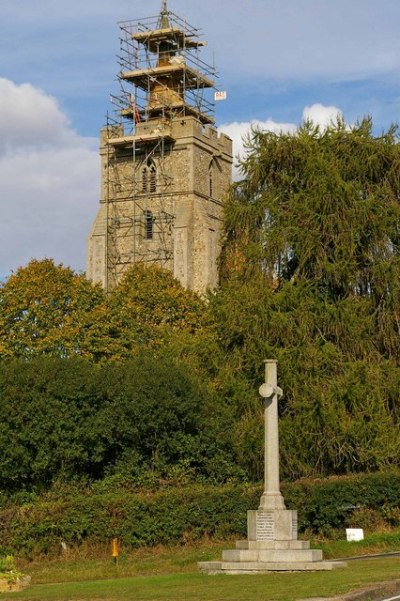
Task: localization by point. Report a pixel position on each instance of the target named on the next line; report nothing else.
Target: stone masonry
(164, 176)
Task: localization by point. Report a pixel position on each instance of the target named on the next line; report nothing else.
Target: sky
(280, 61)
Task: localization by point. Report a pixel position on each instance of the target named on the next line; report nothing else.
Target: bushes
(179, 515)
(329, 504)
(67, 419)
(137, 519)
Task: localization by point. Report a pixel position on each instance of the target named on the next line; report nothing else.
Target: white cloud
(322, 115)
(30, 119)
(239, 131)
(48, 181)
(317, 113)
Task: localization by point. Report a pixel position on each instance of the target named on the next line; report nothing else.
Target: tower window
(149, 177)
(153, 179)
(144, 179)
(214, 173)
(148, 225)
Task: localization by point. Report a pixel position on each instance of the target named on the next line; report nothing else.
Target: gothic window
(148, 225)
(153, 179)
(149, 177)
(214, 169)
(210, 181)
(144, 179)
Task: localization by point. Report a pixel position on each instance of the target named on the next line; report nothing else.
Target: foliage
(152, 309)
(49, 310)
(8, 570)
(182, 514)
(7, 564)
(322, 207)
(311, 277)
(69, 419)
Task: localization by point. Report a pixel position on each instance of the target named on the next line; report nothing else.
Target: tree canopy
(47, 309)
(321, 207)
(152, 309)
(311, 277)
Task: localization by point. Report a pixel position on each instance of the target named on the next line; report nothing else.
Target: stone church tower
(165, 170)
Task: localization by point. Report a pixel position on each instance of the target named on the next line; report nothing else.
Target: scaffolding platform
(152, 39)
(139, 139)
(179, 72)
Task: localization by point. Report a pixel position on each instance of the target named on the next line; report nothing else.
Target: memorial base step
(260, 567)
(272, 544)
(272, 555)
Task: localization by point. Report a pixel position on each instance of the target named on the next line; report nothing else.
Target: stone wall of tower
(199, 152)
(196, 171)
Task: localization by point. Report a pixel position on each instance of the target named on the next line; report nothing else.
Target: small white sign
(220, 95)
(354, 534)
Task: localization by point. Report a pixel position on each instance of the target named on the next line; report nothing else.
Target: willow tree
(311, 276)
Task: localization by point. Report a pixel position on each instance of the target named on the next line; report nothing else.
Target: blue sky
(278, 60)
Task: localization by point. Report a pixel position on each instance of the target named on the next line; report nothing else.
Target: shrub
(67, 419)
(182, 514)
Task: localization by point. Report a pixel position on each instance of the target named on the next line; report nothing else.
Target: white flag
(220, 95)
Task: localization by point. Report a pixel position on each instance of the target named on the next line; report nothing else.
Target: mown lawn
(198, 587)
(94, 563)
(171, 574)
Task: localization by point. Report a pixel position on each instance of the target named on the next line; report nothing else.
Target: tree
(311, 277)
(152, 308)
(321, 207)
(68, 419)
(49, 310)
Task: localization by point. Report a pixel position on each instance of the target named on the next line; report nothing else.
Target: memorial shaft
(271, 498)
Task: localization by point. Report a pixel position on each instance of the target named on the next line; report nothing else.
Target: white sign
(354, 534)
(220, 95)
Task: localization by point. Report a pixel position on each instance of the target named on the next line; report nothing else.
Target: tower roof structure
(164, 20)
(160, 60)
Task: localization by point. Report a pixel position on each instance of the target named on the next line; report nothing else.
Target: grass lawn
(171, 574)
(199, 587)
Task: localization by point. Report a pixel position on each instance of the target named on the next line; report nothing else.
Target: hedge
(179, 515)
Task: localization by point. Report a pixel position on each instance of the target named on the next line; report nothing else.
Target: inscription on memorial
(294, 525)
(265, 526)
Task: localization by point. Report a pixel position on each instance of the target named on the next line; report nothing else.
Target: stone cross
(271, 498)
(271, 543)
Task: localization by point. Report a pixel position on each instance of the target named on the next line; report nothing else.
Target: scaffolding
(162, 78)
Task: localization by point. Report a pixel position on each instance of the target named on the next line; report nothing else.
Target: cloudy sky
(279, 60)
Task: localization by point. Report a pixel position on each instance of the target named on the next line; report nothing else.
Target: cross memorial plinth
(271, 543)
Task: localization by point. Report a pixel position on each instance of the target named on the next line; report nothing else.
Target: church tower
(165, 169)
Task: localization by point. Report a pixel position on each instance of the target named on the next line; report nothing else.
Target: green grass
(171, 574)
(96, 564)
(372, 544)
(88, 563)
(199, 587)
